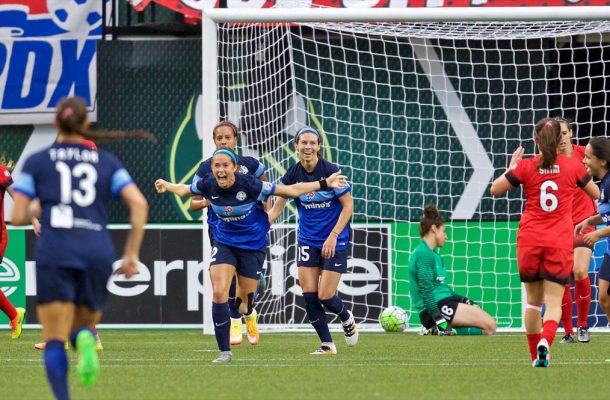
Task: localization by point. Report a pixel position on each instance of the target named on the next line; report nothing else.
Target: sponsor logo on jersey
(310, 206)
(228, 210)
(310, 196)
(241, 196)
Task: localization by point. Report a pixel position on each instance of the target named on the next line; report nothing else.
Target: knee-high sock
(566, 311)
(549, 329)
(317, 316)
(222, 325)
(7, 307)
(56, 364)
(532, 344)
(232, 290)
(335, 305)
(582, 293)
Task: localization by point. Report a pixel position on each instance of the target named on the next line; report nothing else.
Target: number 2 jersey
(549, 194)
(74, 185)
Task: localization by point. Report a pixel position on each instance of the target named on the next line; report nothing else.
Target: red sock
(549, 328)
(582, 293)
(7, 307)
(566, 311)
(532, 343)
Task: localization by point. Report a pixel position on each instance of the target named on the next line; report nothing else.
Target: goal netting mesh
(413, 113)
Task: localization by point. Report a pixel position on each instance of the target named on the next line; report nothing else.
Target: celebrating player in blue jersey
(240, 237)
(225, 135)
(74, 254)
(597, 162)
(323, 239)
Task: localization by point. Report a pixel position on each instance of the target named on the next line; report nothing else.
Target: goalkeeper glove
(444, 327)
(466, 300)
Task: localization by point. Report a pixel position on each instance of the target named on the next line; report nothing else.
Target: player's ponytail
(548, 135)
(7, 162)
(430, 217)
(102, 136)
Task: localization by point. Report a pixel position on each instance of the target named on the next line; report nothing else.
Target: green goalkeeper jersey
(427, 279)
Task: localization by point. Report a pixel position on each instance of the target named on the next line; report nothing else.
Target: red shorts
(549, 263)
(579, 242)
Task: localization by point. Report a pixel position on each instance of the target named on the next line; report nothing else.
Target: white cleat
(325, 349)
(350, 330)
(544, 354)
(224, 357)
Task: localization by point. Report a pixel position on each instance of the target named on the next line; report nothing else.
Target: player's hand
(129, 267)
(328, 249)
(580, 227)
(36, 226)
(590, 238)
(516, 157)
(444, 327)
(161, 186)
(336, 180)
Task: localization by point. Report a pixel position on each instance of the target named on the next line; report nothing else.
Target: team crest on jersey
(243, 169)
(228, 210)
(241, 196)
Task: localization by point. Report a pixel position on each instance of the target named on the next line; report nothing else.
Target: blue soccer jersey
(318, 211)
(242, 220)
(603, 204)
(74, 185)
(246, 165)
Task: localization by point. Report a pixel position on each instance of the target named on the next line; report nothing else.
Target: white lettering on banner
(9, 273)
(161, 268)
(194, 284)
(142, 276)
(30, 278)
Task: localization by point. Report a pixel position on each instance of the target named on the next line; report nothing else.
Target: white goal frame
(212, 17)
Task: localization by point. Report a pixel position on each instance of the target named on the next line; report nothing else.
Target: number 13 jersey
(549, 193)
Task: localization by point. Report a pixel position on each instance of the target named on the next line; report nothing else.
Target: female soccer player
(438, 306)
(597, 162)
(583, 207)
(240, 237)
(545, 250)
(225, 135)
(323, 239)
(15, 315)
(74, 254)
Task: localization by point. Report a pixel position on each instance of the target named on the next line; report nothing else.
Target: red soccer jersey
(549, 193)
(584, 206)
(6, 180)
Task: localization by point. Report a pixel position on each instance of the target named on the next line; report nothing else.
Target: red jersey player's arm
(592, 190)
(504, 183)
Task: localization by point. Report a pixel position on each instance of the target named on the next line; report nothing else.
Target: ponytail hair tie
(67, 112)
(549, 122)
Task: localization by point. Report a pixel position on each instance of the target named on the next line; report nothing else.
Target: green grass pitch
(167, 365)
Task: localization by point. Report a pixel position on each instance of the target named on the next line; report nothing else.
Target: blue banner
(47, 51)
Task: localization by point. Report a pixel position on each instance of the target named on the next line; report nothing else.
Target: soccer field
(177, 365)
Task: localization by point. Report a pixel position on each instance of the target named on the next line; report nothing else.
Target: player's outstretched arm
(180, 189)
(335, 181)
(138, 215)
(198, 203)
(277, 208)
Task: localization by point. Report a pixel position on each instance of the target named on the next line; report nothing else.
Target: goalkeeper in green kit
(439, 307)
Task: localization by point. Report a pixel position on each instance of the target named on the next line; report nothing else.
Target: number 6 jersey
(549, 193)
(74, 185)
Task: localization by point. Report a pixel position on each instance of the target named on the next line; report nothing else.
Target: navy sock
(317, 316)
(56, 363)
(76, 332)
(335, 305)
(222, 326)
(233, 310)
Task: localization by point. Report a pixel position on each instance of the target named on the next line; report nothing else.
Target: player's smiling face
(224, 170)
(566, 137)
(308, 146)
(225, 137)
(595, 166)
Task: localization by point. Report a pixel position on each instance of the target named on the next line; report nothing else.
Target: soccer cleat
(583, 334)
(325, 349)
(98, 343)
(544, 354)
(350, 330)
(224, 357)
(40, 346)
(569, 338)
(235, 334)
(88, 367)
(17, 323)
(252, 328)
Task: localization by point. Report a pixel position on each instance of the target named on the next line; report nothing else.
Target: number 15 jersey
(549, 194)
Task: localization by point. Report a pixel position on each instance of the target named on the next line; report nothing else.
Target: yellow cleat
(236, 334)
(98, 343)
(252, 328)
(17, 322)
(40, 346)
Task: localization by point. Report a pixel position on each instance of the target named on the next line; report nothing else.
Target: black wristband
(323, 184)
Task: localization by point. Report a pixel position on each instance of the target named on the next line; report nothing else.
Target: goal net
(414, 113)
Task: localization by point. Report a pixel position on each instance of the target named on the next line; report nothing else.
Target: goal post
(417, 106)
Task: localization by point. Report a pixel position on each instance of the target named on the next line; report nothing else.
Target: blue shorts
(247, 263)
(604, 270)
(308, 256)
(83, 287)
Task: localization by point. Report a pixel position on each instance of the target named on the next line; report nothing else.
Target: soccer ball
(393, 319)
(75, 15)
